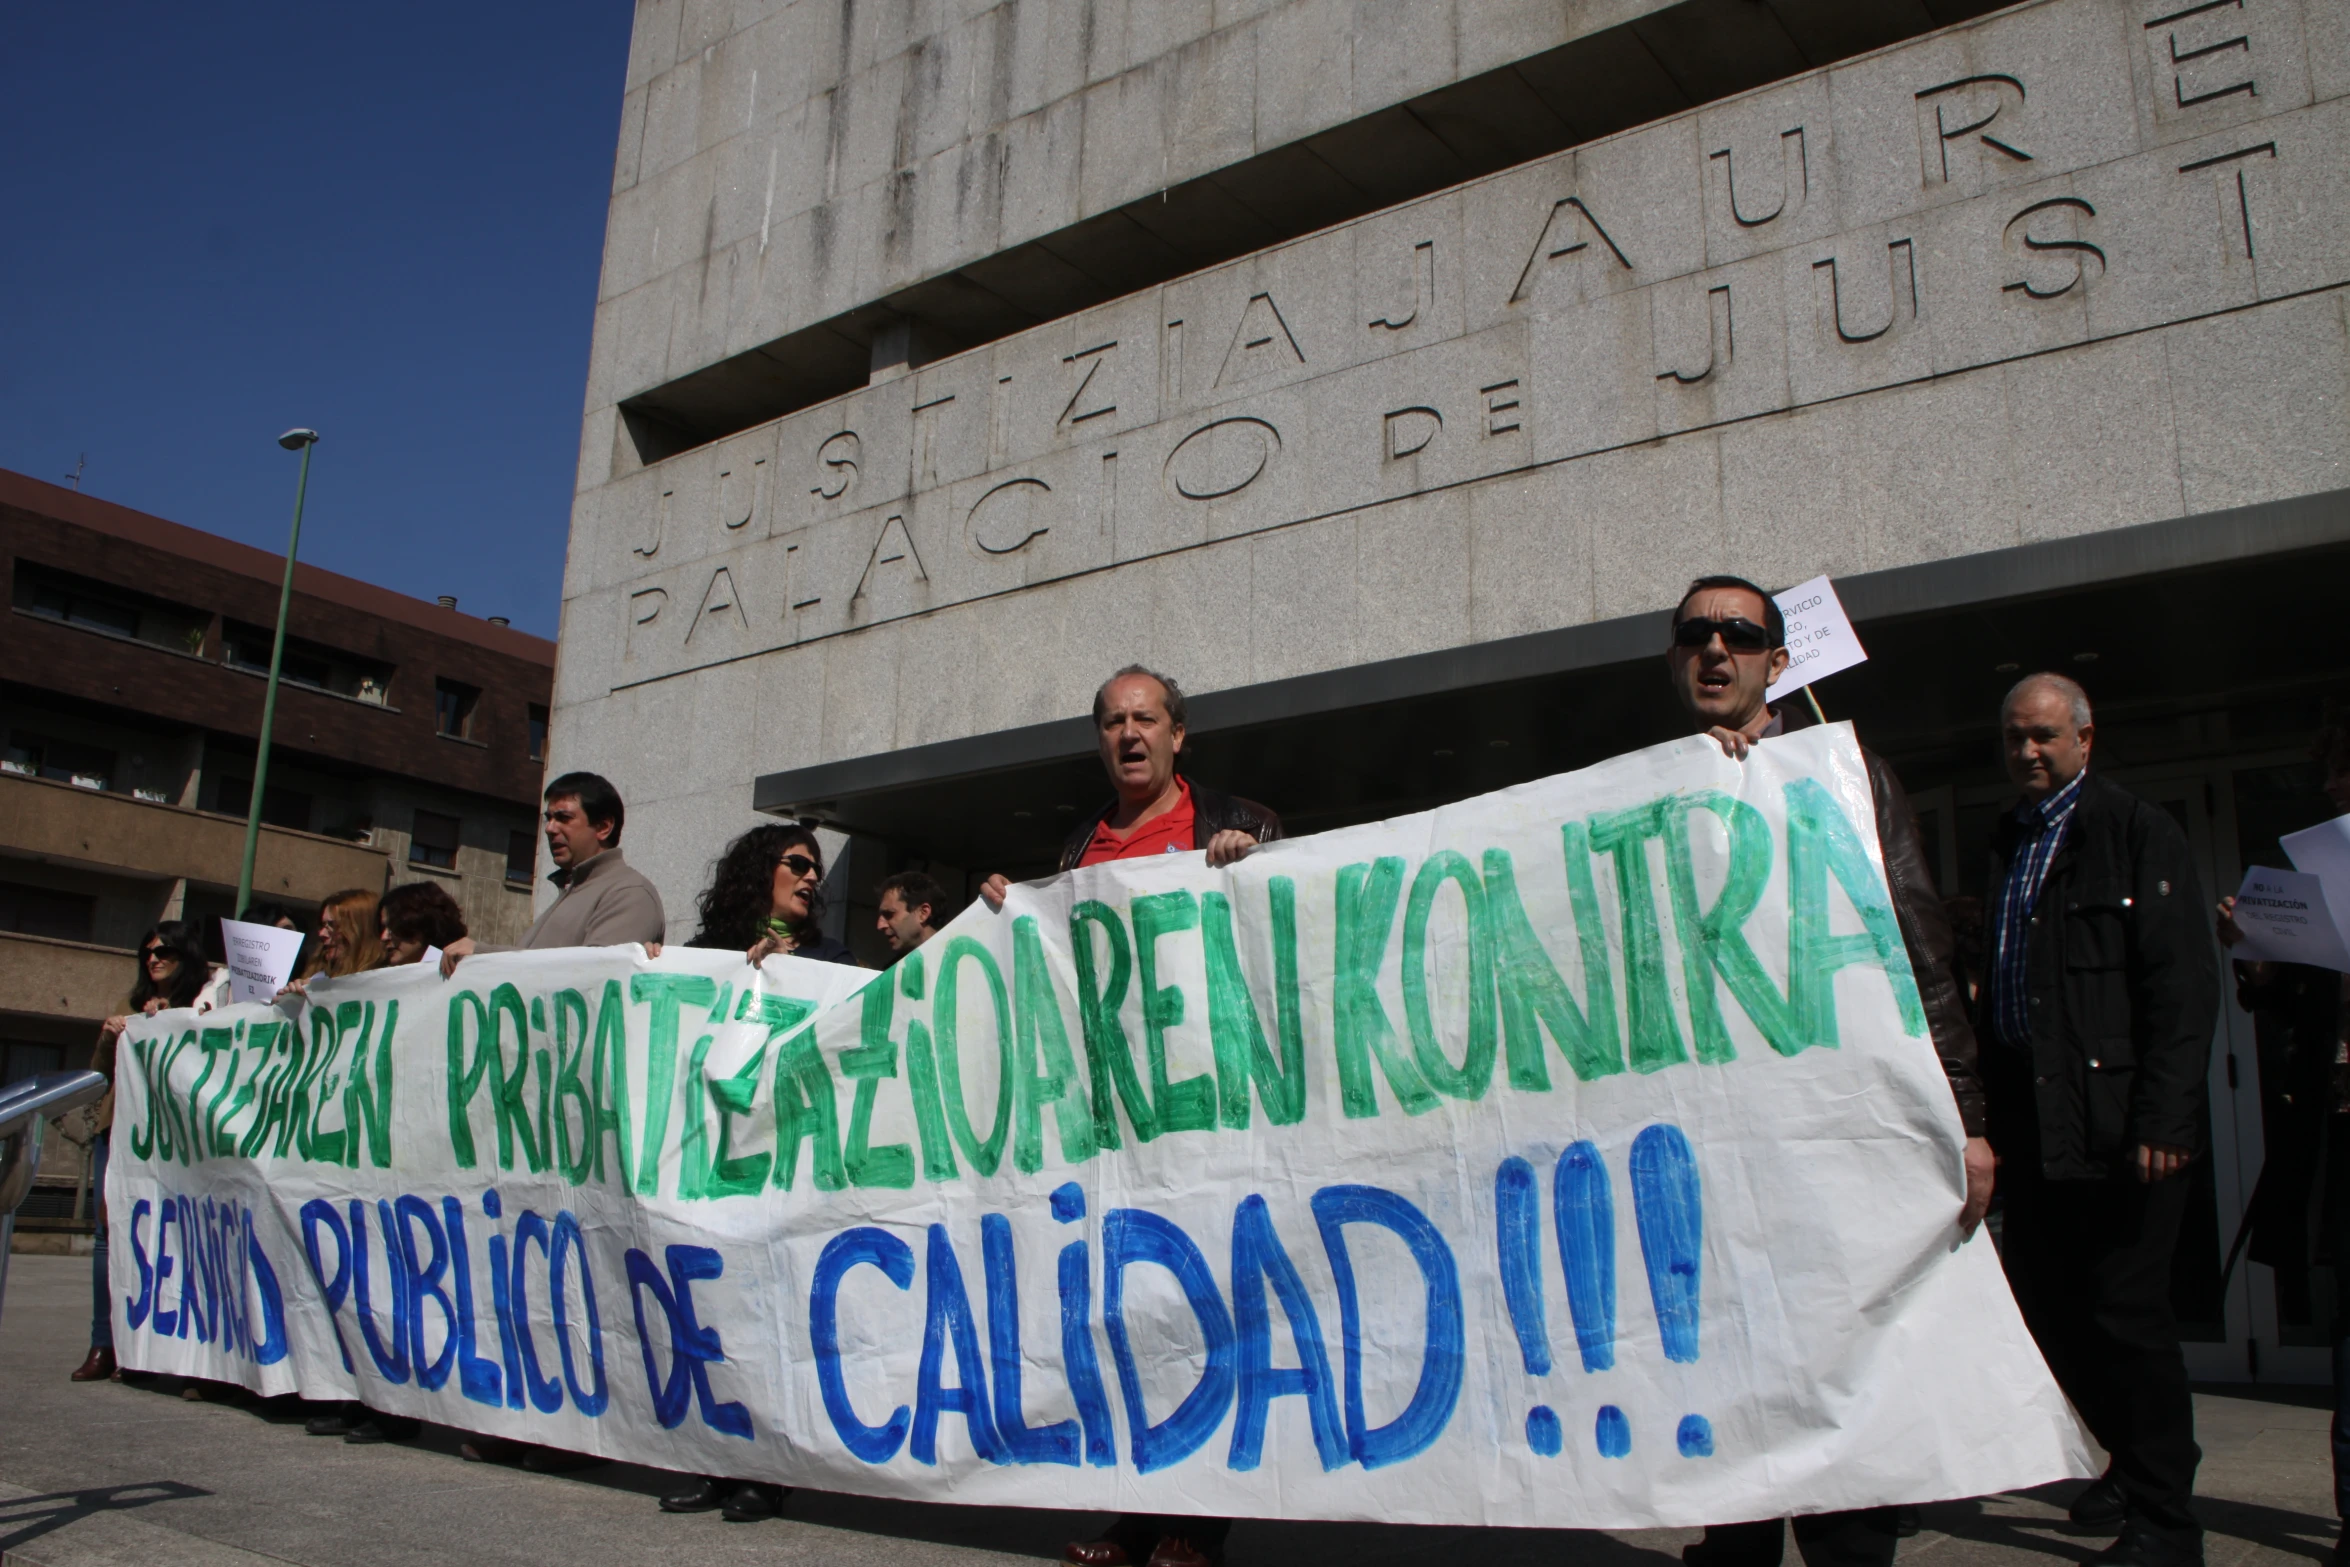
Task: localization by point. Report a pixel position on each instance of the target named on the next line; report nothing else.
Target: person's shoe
(753, 1502)
(98, 1368)
(2140, 1546)
(1175, 1551)
(193, 1392)
(1906, 1523)
(557, 1461)
(383, 1428)
(707, 1494)
(341, 1420)
(493, 1450)
(2103, 1504)
(1095, 1553)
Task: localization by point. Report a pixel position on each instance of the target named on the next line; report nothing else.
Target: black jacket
(2124, 992)
(1925, 927)
(1212, 811)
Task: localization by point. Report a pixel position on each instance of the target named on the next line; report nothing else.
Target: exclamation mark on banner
(1666, 1204)
(1583, 1207)
(1517, 1208)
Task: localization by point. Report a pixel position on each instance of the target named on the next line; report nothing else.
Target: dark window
(38, 756)
(248, 650)
(453, 708)
(522, 853)
(434, 842)
(280, 806)
(20, 1059)
(306, 663)
(100, 606)
(43, 911)
(538, 734)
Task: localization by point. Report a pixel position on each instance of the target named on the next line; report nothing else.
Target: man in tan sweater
(604, 903)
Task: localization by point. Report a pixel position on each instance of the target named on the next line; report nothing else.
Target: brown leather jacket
(1212, 811)
(1925, 927)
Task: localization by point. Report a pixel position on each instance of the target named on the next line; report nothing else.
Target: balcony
(49, 978)
(64, 825)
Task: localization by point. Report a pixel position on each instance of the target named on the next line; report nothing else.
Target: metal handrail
(25, 1110)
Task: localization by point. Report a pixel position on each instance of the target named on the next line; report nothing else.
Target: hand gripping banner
(1572, 1156)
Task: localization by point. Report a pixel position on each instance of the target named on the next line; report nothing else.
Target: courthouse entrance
(2211, 645)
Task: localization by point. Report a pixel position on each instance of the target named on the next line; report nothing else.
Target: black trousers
(1858, 1539)
(1140, 1534)
(2090, 1263)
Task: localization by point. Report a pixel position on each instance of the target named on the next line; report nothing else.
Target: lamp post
(293, 441)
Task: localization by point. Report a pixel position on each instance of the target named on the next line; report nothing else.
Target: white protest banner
(1572, 1156)
(261, 959)
(2285, 918)
(1820, 639)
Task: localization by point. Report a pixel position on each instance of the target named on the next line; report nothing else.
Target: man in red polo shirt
(1138, 718)
(1138, 721)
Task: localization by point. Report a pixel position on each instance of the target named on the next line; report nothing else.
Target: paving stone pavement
(108, 1475)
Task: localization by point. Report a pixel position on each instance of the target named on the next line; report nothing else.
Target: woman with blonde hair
(348, 942)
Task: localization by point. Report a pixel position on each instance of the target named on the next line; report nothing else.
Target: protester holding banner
(912, 907)
(173, 972)
(416, 919)
(604, 901)
(348, 936)
(1139, 724)
(2102, 997)
(2305, 1011)
(766, 895)
(1728, 648)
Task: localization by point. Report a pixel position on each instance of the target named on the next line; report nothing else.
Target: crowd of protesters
(2072, 1010)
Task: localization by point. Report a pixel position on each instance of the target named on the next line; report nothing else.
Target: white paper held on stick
(2285, 918)
(1820, 640)
(260, 959)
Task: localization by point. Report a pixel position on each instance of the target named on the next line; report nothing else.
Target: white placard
(1820, 639)
(2323, 851)
(261, 959)
(2285, 918)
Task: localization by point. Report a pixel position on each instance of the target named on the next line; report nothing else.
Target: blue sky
(381, 221)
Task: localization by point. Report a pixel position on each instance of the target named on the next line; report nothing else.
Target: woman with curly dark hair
(766, 895)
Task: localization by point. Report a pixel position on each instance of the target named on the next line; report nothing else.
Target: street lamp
(296, 440)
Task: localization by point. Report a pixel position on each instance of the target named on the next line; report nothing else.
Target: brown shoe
(193, 1393)
(1175, 1551)
(97, 1368)
(1095, 1553)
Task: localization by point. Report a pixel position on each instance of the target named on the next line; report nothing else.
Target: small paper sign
(2284, 918)
(260, 959)
(2324, 851)
(1819, 636)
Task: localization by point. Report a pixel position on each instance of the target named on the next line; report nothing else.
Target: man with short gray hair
(2096, 1027)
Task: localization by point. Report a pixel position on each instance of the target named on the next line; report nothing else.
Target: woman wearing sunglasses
(767, 896)
(173, 972)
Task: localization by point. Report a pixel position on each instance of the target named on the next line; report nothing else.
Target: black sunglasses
(1738, 634)
(801, 865)
(149, 952)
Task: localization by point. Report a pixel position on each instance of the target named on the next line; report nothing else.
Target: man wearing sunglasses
(1729, 643)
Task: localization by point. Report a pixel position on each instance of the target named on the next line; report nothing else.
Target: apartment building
(133, 656)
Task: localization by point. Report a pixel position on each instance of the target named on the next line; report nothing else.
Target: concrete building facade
(1382, 371)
